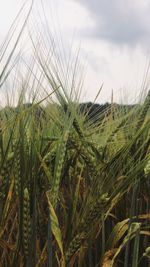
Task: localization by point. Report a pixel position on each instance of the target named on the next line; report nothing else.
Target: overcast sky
(113, 36)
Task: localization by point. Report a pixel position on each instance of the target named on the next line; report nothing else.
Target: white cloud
(112, 37)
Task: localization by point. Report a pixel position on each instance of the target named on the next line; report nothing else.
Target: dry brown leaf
(108, 258)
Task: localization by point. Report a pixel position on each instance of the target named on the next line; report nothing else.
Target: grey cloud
(119, 21)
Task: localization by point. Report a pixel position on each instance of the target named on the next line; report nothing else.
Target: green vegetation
(72, 193)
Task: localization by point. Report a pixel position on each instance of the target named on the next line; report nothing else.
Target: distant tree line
(93, 112)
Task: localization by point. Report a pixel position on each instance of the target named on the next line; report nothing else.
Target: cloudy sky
(113, 36)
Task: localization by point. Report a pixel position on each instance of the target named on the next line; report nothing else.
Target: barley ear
(26, 223)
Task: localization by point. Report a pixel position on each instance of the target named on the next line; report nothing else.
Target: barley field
(74, 188)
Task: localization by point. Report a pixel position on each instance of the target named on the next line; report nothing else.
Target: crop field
(74, 178)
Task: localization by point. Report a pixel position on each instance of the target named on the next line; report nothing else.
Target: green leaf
(55, 224)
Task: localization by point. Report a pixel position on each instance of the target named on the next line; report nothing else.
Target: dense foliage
(74, 193)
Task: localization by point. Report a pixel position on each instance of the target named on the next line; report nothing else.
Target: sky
(113, 39)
